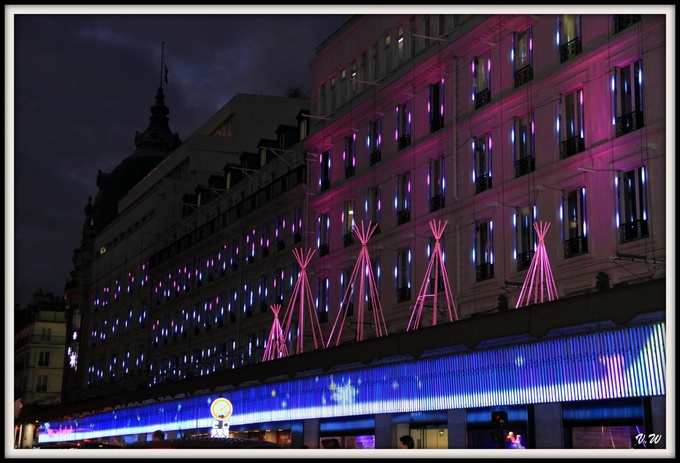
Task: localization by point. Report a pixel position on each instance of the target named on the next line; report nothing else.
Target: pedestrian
(158, 434)
(406, 442)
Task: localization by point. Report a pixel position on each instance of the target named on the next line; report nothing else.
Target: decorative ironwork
(524, 260)
(482, 183)
(631, 231)
(482, 98)
(404, 141)
(484, 272)
(524, 75)
(403, 216)
(629, 123)
(348, 239)
(570, 49)
(324, 249)
(624, 21)
(572, 146)
(575, 246)
(436, 203)
(524, 166)
(349, 171)
(436, 123)
(375, 157)
(403, 294)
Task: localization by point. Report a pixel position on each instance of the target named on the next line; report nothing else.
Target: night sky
(83, 85)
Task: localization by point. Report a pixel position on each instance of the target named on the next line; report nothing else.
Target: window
(280, 232)
(322, 302)
(353, 76)
(342, 87)
(250, 239)
(481, 174)
(481, 73)
(522, 139)
(403, 132)
(574, 226)
(374, 140)
(296, 224)
(631, 218)
(44, 359)
(372, 64)
(325, 174)
(324, 232)
(400, 44)
(429, 251)
(482, 253)
(522, 54)
(373, 206)
(436, 183)
(348, 223)
(46, 334)
(387, 56)
(627, 89)
(333, 94)
(402, 198)
(41, 383)
(569, 36)
(234, 258)
(348, 156)
(346, 285)
(571, 124)
(435, 105)
(265, 239)
(263, 293)
(402, 273)
(525, 236)
(321, 103)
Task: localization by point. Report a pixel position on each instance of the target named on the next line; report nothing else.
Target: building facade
(464, 230)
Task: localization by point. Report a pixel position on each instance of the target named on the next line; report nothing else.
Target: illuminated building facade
(530, 136)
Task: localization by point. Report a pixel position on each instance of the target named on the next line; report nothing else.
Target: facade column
(306, 433)
(457, 426)
(548, 428)
(383, 432)
(658, 406)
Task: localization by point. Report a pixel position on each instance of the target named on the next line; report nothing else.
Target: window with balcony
(482, 253)
(280, 232)
(436, 183)
(41, 383)
(234, 255)
(569, 36)
(374, 140)
(348, 223)
(481, 174)
(481, 78)
(325, 171)
(345, 286)
(332, 89)
(342, 87)
(324, 233)
(322, 302)
(279, 282)
(402, 272)
(574, 225)
(631, 217)
(430, 249)
(572, 128)
(403, 130)
(525, 236)
(265, 238)
(386, 56)
(522, 139)
(44, 359)
(627, 89)
(348, 155)
(296, 224)
(402, 198)
(400, 44)
(522, 54)
(435, 105)
(373, 206)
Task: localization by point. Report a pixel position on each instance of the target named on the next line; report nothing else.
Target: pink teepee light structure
(539, 279)
(303, 294)
(363, 271)
(436, 264)
(276, 343)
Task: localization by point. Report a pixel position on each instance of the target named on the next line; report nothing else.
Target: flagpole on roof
(162, 62)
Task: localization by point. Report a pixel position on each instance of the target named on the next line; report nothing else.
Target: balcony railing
(403, 216)
(482, 183)
(324, 249)
(375, 157)
(524, 260)
(575, 246)
(484, 272)
(482, 98)
(436, 203)
(572, 146)
(348, 239)
(524, 75)
(349, 171)
(629, 122)
(570, 49)
(404, 141)
(624, 21)
(524, 166)
(436, 123)
(403, 294)
(632, 231)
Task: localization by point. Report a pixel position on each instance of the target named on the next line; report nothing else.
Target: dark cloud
(83, 86)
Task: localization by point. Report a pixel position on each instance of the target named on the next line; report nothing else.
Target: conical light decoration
(302, 294)
(437, 266)
(539, 283)
(276, 343)
(363, 271)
